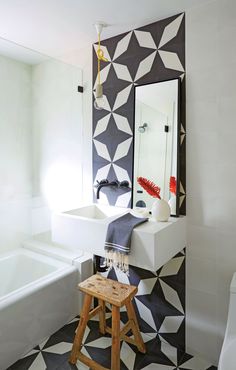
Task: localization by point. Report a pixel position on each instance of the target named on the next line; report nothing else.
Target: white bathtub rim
(40, 257)
(63, 270)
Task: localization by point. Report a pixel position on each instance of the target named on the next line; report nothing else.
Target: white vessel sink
(152, 244)
(96, 211)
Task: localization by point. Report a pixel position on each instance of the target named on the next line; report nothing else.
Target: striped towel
(118, 241)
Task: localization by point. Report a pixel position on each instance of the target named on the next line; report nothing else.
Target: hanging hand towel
(118, 240)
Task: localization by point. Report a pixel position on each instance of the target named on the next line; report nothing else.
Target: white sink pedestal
(152, 244)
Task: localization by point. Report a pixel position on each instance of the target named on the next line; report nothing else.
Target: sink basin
(85, 227)
(152, 243)
(96, 212)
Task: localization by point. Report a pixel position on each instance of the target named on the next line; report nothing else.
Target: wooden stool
(118, 295)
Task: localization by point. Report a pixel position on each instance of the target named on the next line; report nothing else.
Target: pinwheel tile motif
(54, 352)
(102, 125)
(145, 39)
(149, 54)
(182, 194)
(160, 300)
(182, 134)
(123, 200)
(122, 123)
(122, 45)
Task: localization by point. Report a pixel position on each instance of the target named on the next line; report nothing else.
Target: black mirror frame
(178, 142)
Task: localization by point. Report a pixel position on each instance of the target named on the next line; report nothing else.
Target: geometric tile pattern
(54, 352)
(182, 194)
(152, 53)
(160, 300)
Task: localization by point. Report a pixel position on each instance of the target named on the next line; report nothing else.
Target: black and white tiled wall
(152, 53)
(160, 301)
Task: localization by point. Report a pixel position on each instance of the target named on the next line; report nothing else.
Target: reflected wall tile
(203, 211)
(202, 324)
(202, 179)
(202, 116)
(227, 114)
(227, 14)
(202, 274)
(202, 242)
(227, 79)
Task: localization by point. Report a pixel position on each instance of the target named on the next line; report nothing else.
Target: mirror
(156, 142)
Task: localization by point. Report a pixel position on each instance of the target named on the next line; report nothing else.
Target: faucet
(115, 183)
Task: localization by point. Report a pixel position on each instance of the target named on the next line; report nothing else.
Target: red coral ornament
(173, 185)
(151, 188)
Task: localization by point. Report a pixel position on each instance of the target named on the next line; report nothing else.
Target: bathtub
(38, 296)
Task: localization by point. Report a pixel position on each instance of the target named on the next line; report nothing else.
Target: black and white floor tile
(53, 353)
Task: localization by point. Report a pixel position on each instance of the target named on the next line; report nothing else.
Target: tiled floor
(53, 353)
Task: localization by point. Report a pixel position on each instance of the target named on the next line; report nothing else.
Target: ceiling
(57, 27)
(19, 53)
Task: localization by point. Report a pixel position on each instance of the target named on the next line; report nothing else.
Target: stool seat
(110, 291)
(118, 295)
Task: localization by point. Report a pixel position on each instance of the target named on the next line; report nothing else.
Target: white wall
(15, 165)
(211, 172)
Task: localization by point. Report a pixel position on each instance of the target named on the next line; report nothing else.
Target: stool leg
(115, 354)
(81, 329)
(135, 327)
(102, 317)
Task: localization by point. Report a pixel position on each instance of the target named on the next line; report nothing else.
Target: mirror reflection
(156, 141)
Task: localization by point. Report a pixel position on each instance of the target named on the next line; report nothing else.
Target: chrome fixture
(142, 128)
(115, 183)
